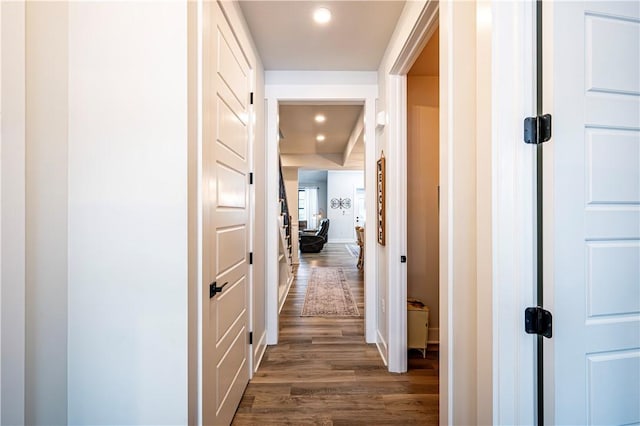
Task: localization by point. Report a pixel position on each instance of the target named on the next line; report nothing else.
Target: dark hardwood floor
(322, 371)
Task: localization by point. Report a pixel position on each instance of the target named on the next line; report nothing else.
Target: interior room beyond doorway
(322, 155)
(423, 207)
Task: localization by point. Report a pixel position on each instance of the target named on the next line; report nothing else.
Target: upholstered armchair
(314, 242)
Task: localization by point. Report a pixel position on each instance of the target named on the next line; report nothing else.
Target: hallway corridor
(322, 371)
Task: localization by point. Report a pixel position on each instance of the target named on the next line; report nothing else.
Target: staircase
(285, 255)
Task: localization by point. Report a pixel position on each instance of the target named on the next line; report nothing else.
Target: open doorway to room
(331, 205)
(321, 150)
(312, 199)
(423, 187)
(280, 97)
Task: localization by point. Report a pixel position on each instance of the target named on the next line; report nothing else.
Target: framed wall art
(381, 213)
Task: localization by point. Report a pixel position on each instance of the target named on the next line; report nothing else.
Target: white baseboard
(382, 347)
(286, 293)
(434, 335)
(261, 346)
(341, 240)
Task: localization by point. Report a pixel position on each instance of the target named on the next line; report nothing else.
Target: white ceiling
(299, 128)
(299, 147)
(354, 40)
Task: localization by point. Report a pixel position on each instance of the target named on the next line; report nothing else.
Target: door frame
(356, 192)
(548, 358)
(514, 212)
(314, 90)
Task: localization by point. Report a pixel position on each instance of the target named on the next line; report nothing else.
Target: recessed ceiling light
(322, 15)
(320, 118)
(320, 138)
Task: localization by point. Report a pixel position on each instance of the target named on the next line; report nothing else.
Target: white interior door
(225, 358)
(595, 208)
(360, 208)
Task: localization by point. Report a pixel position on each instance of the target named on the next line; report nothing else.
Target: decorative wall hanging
(381, 213)
(340, 203)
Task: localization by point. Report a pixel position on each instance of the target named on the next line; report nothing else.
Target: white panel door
(225, 358)
(595, 377)
(360, 212)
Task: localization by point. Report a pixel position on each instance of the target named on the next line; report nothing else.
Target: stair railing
(285, 212)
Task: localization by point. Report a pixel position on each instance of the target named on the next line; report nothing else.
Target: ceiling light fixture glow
(322, 15)
(320, 118)
(320, 138)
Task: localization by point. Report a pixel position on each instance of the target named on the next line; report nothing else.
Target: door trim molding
(513, 218)
(338, 91)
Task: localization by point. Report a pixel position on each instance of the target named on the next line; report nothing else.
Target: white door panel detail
(225, 168)
(595, 294)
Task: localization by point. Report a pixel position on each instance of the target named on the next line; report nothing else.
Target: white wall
(484, 215)
(342, 184)
(127, 213)
(46, 221)
(330, 78)
(12, 214)
(0, 210)
(193, 254)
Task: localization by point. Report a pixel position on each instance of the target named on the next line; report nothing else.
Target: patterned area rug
(354, 249)
(328, 294)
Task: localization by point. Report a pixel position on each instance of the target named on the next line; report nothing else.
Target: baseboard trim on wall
(433, 347)
(261, 346)
(342, 240)
(382, 347)
(286, 293)
(434, 335)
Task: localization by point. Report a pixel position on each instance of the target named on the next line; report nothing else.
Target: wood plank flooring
(322, 372)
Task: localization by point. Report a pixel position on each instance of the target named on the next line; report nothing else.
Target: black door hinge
(251, 98)
(251, 178)
(251, 258)
(251, 337)
(537, 129)
(403, 259)
(538, 321)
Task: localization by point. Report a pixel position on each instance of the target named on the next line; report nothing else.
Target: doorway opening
(423, 188)
(321, 155)
(309, 143)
